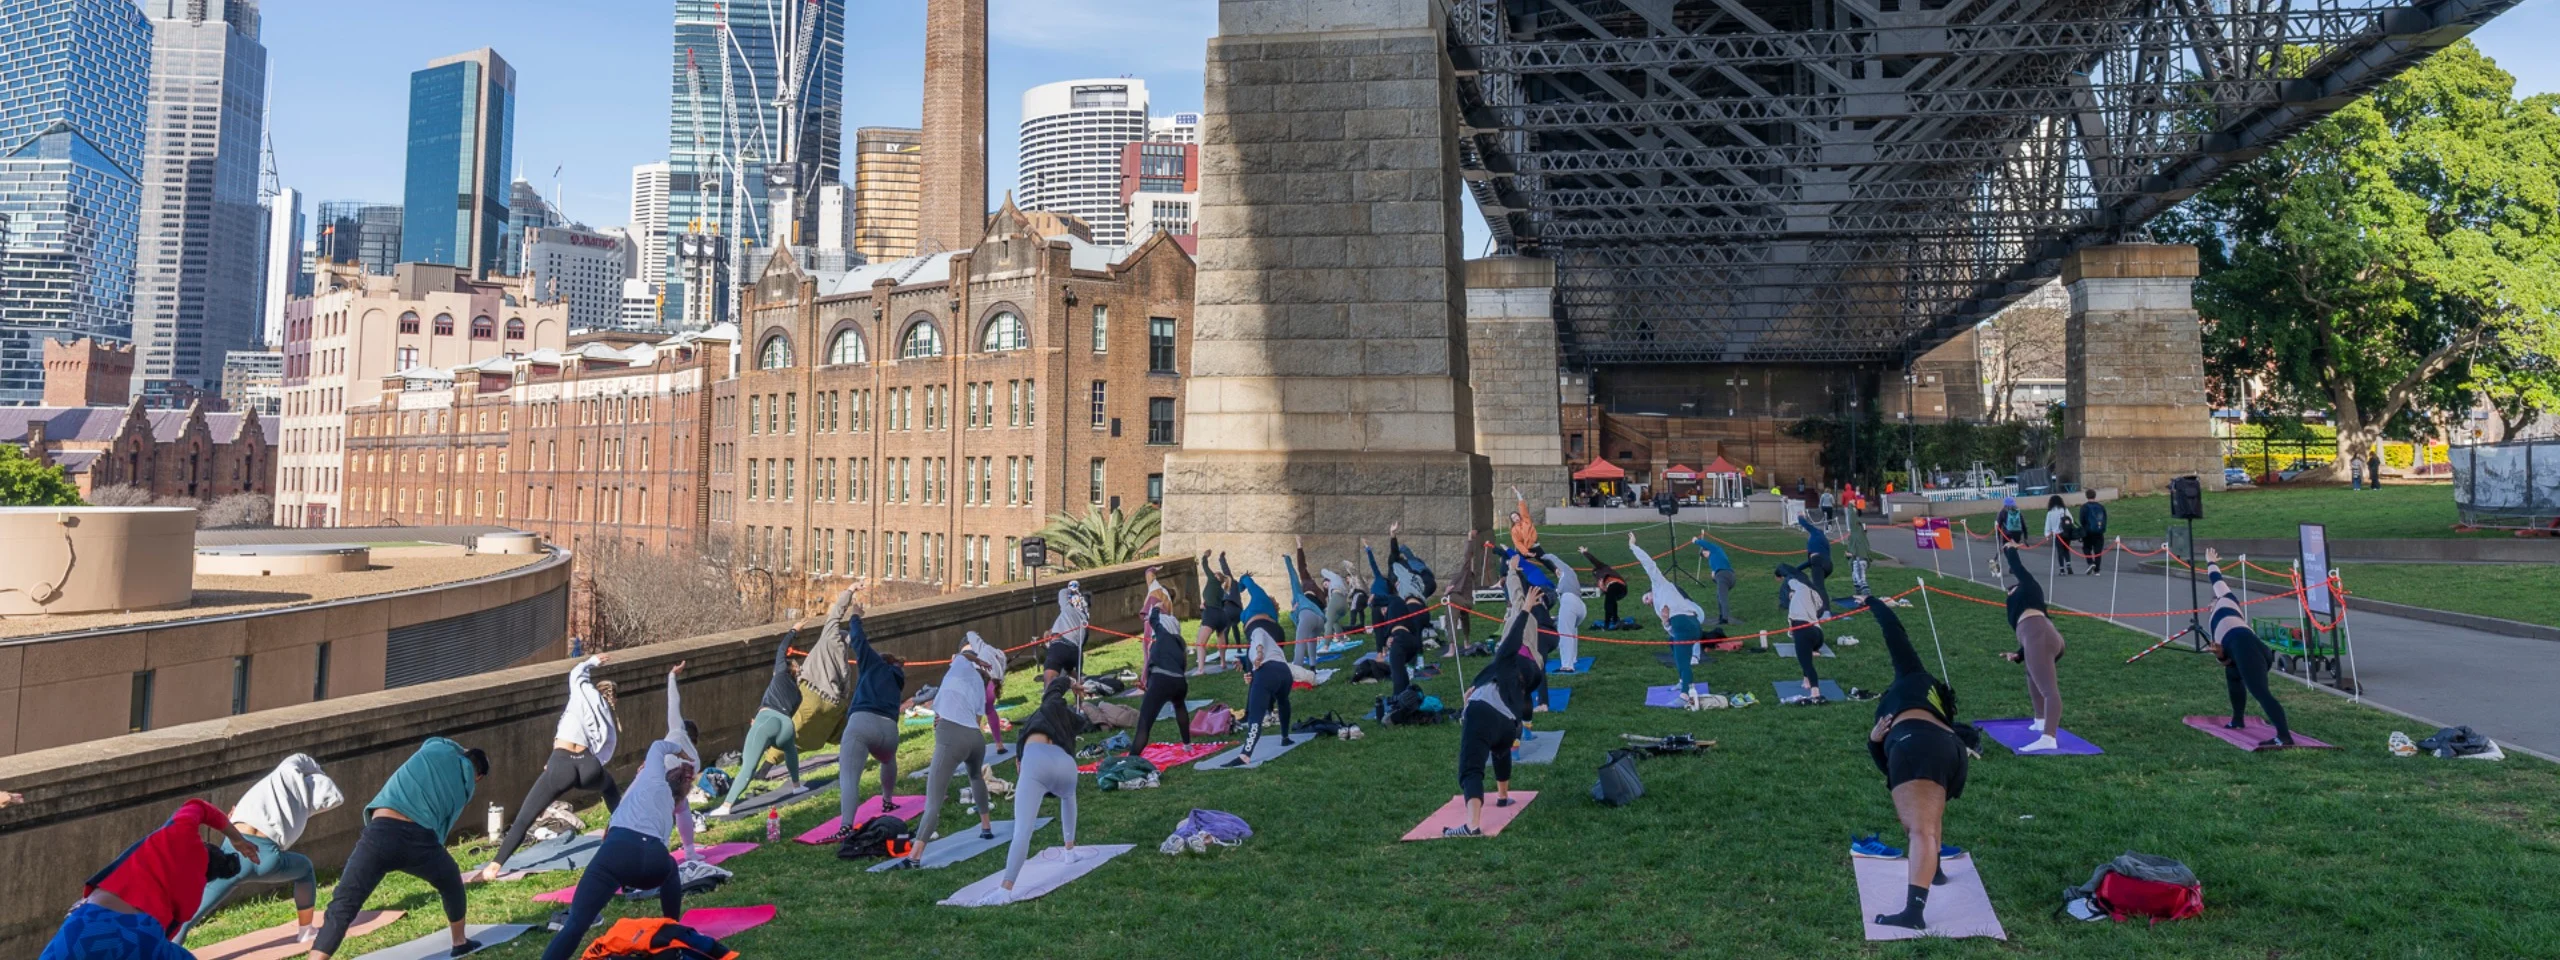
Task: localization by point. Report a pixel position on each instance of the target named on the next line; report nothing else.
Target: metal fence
(2512, 482)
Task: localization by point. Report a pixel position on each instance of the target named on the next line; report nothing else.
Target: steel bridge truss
(1855, 181)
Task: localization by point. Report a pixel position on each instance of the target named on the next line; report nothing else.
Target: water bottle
(497, 823)
(772, 824)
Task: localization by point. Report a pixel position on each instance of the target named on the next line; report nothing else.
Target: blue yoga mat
(1558, 698)
(1790, 689)
(1580, 665)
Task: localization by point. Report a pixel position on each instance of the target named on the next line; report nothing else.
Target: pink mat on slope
(277, 942)
(2253, 732)
(907, 809)
(1454, 814)
(721, 923)
(1167, 756)
(713, 855)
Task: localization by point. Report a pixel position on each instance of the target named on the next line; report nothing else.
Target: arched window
(444, 324)
(483, 328)
(847, 348)
(1004, 332)
(409, 322)
(776, 353)
(515, 328)
(921, 342)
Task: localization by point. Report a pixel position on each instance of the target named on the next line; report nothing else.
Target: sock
(2045, 742)
(2036, 725)
(1909, 918)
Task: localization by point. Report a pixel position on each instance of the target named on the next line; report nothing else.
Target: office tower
(1160, 189)
(757, 113)
(280, 262)
(835, 218)
(526, 212)
(953, 214)
(1179, 128)
(1072, 135)
(75, 79)
(888, 171)
(582, 268)
(639, 305)
(649, 218)
(196, 279)
(361, 233)
(462, 121)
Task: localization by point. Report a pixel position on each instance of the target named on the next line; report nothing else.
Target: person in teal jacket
(405, 828)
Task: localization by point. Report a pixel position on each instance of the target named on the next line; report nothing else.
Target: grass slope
(2396, 511)
(2529, 592)
(1742, 852)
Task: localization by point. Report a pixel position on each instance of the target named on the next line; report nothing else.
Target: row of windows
(640, 408)
(1004, 333)
(482, 328)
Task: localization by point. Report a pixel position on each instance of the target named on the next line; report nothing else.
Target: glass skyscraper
(353, 231)
(726, 130)
(462, 120)
(196, 285)
(75, 78)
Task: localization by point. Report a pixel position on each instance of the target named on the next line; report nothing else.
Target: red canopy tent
(1723, 480)
(1600, 469)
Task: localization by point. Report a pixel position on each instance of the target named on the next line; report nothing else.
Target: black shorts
(1217, 618)
(1062, 657)
(1919, 750)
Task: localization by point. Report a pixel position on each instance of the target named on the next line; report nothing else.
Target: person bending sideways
(870, 721)
(634, 855)
(2245, 658)
(1569, 613)
(1924, 753)
(957, 712)
(131, 909)
(1720, 567)
(826, 677)
(1681, 617)
(1046, 743)
(1805, 611)
(405, 828)
(1064, 654)
(1613, 588)
(772, 728)
(271, 817)
(2039, 651)
(1267, 685)
(1163, 681)
(581, 746)
(1497, 702)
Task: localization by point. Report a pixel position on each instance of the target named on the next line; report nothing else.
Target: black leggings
(1533, 679)
(1609, 597)
(1163, 690)
(1484, 734)
(563, 772)
(2247, 673)
(2094, 543)
(1818, 569)
(1401, 649)
(389, 845)
(1808, 640)
(627, 861)
(1269, 690)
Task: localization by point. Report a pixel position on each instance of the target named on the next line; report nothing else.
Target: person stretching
(1462, 589)
(1497, 702)
(1219, 606)
(870, 720)
(1306, 597)
(1163, 680)
(1524, 587)
(2039, 650)
(1817, 559)
(404, 830)
(1392, 622)
(771, 728)
(2057, 528)
(634, 854)
(1613, 588)
(1267, 688)
(826, 676)
(1804, 605)
(1923, 751)
(1681, 617)
(1524, 535)
(957, 710)
(1065, 651)
(1046, 743)
(2245, 658)
(271, 817)
(1569, 614)
(1721, 567)
(1534, 574)
(581, 745)
(129, 910)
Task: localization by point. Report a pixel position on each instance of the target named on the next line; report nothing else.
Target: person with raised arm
(1681, 617)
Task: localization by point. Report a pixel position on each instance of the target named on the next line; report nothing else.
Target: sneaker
(1949, 851)
(1856, 693)
(1873, 847)
(905, 863)
(721, 811)
(986, 833)
(1503, 802)
(1461, 831)
(2274, 742)
(304, 935)
(465, 948)
(1847, 641)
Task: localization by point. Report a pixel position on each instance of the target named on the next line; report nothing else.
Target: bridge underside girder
(1855, 181)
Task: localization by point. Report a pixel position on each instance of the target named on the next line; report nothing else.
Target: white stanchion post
(2116, 582)
(1932, 610)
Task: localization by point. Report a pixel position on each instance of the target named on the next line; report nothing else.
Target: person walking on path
(2093, 532)
(2058, 528)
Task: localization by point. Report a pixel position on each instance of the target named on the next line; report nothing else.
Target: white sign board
(2315, 570)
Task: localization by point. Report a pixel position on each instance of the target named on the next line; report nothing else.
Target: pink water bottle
(772, 824)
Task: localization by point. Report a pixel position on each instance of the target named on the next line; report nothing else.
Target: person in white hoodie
(271, 817)
(581, 746)
(2058, 527)
(959, 710)
(1064, 653)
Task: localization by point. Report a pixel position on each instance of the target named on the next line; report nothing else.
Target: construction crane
(788, 179)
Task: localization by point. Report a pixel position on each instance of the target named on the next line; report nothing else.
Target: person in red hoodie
(131, 906)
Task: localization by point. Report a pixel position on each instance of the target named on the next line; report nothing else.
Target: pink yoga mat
(1454, 814)
(1167, 756)
(907, 809)
(2253, 732)
(712, 855)
(721, 923)
(1958, 908)
(277, 942)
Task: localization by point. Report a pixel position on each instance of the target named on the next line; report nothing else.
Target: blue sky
(593, 78)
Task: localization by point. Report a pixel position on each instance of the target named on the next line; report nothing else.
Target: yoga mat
(963, 844)
(1789, 689)
(1192, 705)
(2012, 733)
(1167, 756)
(2248, 737)
(1558, 698)
(1669, 695)
(907, 809)
(1541, 750)
(996, 753)
(1787, 649)
(1271, 747)
(570, 852)
(1454, 814)
(754, 805)
(712, 855)
(439, 945)
(277, 942)
(1328, 657)
(721, 923)
(1042, 874)
(1957, 908)
(1580, 665)
(810, 762)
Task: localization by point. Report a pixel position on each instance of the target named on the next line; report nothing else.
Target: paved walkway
(2500, 685)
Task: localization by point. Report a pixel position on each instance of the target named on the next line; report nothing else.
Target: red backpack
(2139, 885)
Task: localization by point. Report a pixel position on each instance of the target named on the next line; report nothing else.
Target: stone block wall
(1511, 357)
(2137, 412)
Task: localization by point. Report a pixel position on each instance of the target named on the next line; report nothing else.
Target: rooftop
(218, 596)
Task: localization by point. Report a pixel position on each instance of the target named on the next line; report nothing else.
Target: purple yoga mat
(2012, 733)
(1669, 696)
(2253, 732)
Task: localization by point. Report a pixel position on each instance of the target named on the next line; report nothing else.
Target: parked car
(2235, 477)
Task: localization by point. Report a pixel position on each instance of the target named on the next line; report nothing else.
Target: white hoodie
(282, 803)
(587, 722)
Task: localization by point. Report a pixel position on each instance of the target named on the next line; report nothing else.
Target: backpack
(2093, 518)
(1216, 720)
(1402, 708)
(655, 938)
(1104, 714)
(2137, 885)
(1370, 668)
(1324, 726)
(1104, 686)
(883, 836)
(2452, 742)
(1118, 772)
(1618, 784)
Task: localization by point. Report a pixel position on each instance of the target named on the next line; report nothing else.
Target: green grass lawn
(1741, 852)
(2529, 592)
(2400, 510)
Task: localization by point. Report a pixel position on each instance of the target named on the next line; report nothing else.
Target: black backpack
(1618, 784)
(1369, 669)
(878, 838)
(2455, 742)
(1403, 708)
(2093, 518)
(1324, 726)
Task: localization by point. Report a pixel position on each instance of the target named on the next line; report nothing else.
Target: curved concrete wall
(61, 560)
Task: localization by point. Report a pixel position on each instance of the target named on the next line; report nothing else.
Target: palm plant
(1102, 537)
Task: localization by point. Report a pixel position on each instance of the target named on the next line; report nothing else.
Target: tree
(120, 495)
(2025, 342)
(1102, 538)
(643, 597)
(28, 482)
(238, 510)
(2374, 261)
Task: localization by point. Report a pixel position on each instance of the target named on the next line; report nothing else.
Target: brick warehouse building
(892, 424)
(102, 436)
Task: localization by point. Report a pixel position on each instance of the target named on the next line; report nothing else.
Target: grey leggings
(274, 866)
(953, 745)
(874, 736)
(1310, 625)
(1046, 770)
(1724, 596)
(2040, 646)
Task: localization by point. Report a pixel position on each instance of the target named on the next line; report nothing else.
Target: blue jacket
(1816, 543)
(1257, 603)
(878, 685)
(1716, 560)
(1531, 571)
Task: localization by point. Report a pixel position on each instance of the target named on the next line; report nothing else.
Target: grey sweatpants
(953, 745)
(1724, 596)
(2040, 645)
(1047, 771)
(1310, 625)
(865, 735)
